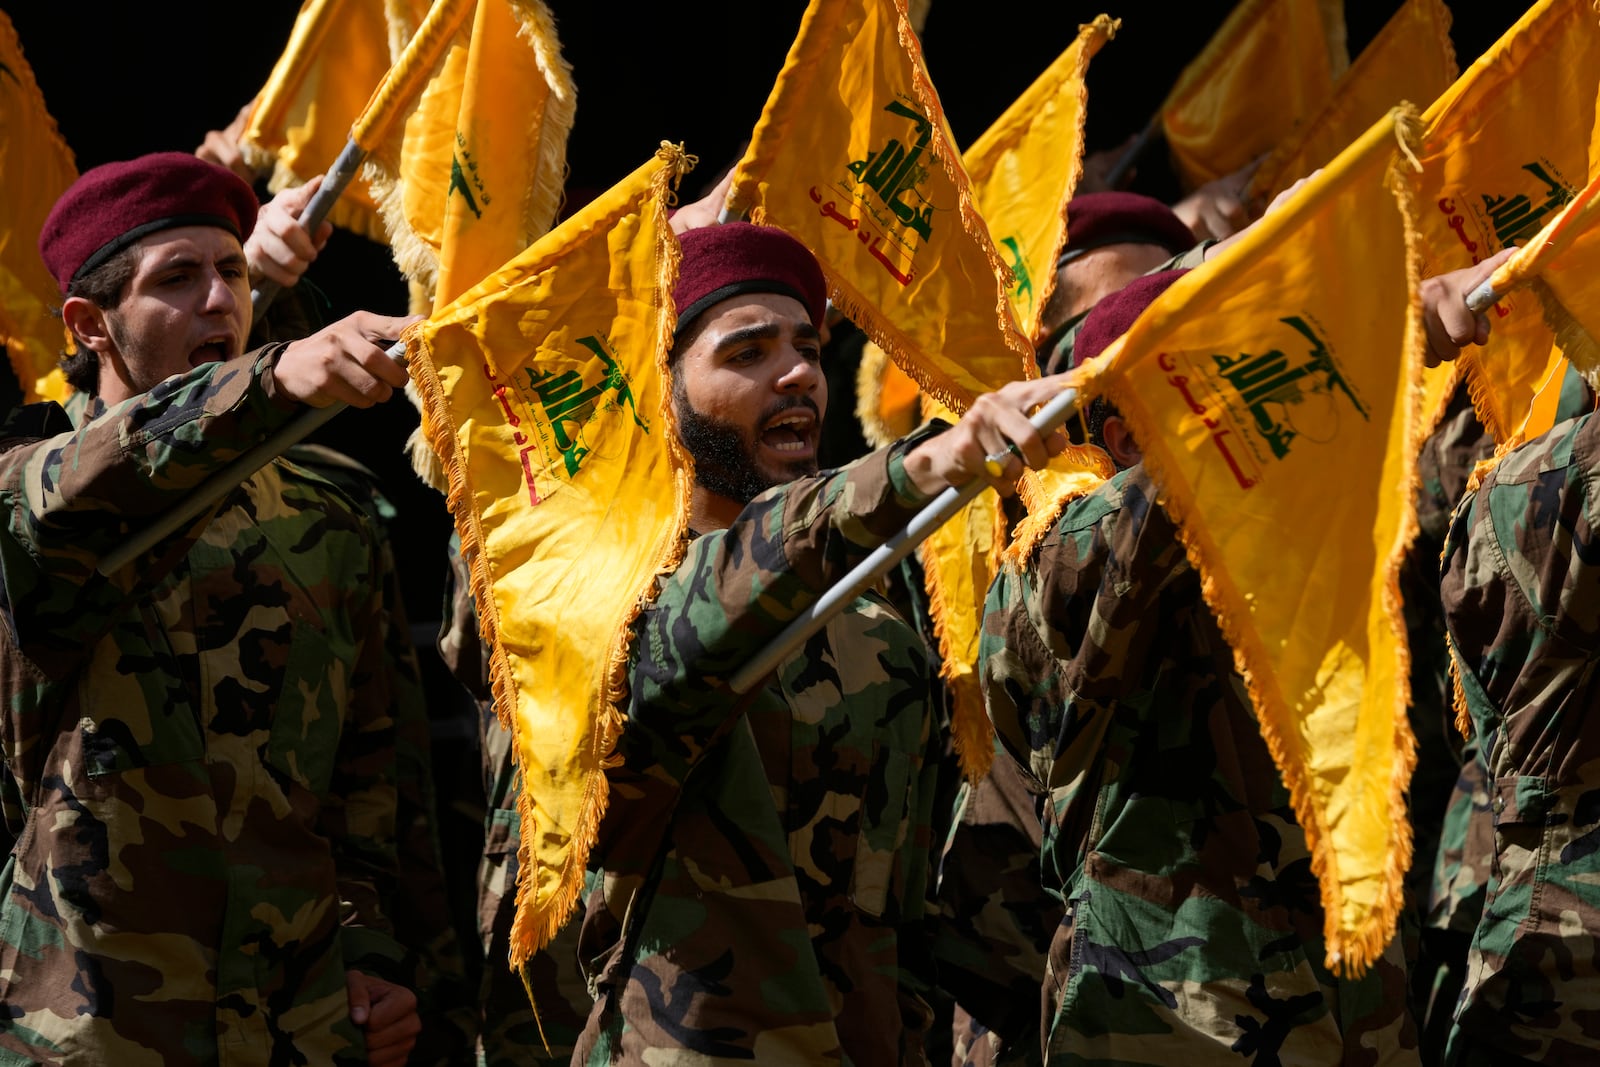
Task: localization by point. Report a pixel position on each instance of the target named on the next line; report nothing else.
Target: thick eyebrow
(189, 261)
(766, 331)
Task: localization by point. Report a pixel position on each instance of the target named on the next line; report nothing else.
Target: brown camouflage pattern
(203, 743)
(1192, 931)
(1439, 882)
(420, 906)
(1521, 593)
(995, 919)
(763, 866)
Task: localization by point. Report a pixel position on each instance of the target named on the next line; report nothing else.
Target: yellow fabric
(1505, 148)
(511, 142)
(1411, 58)
(1025, 167)
(409, 168)
(1562, 262)
(478, 172)
(958, 563)
(337, 54)
(545, 388)
(888, 402)
(35, 169)
(1264, 72)
(853, 157)
(1290, 364)
(1335, 36)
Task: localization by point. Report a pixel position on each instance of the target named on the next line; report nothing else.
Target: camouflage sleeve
(72, 497)
(1060, 633)
(739, 587)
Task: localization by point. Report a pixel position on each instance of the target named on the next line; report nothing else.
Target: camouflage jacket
(764, 860)
(1444, 878)
(995, 919)
(420, 908)
(1521, 594)
(1193, 929)
(201, 743)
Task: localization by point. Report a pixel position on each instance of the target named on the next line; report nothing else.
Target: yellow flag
(1561, 264)
(1505, 149)
(35, 169)
(475, 173)
(1265, 71)
(338, 52)
(510, 158)
(545, 388)
(1026, 166)
(1411, 58)
(1284, 368)
(853, 157)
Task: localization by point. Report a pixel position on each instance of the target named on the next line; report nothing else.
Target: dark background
(126, 78)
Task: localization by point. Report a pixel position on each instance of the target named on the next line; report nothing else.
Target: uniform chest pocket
(135, 701)
(308, 715)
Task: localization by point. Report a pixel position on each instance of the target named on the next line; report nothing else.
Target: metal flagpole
(338, 178)
(1482, 298)
(222, 481)
(883, 559)
(400, 86)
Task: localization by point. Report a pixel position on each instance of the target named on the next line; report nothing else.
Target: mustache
(789, 403)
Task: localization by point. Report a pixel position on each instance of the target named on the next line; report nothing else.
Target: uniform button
(1499, 805)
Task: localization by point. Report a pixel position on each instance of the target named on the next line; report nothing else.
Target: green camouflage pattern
(420, 907)
(762, 870)
(509, 1033)
(1521, 594)
(996, 920)
(1192, 930)
(1441, 879)
(202, 744)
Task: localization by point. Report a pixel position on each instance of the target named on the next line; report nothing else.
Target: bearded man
(761, 872)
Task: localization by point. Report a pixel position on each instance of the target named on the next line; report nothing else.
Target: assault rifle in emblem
(1019, 270)
(1516, 218)
(1269, 381)
(565, 401)
(893, 170)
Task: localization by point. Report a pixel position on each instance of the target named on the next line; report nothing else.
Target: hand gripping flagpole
(883, 559)
(402, 84)
(223, 481)
(338, 178)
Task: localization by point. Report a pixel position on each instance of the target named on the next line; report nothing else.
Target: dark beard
(724, 460)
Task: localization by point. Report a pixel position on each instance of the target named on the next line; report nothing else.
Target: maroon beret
(738, 257)
(1095, 220)
(111, 206)
(1111, 318)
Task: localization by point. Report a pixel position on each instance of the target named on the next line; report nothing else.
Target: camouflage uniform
(1521, 590)
(1444, 883)
(508, 1032)
(764, 860)
(1193, 928)
(420, 908)
(996, 920)
(203, 742)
